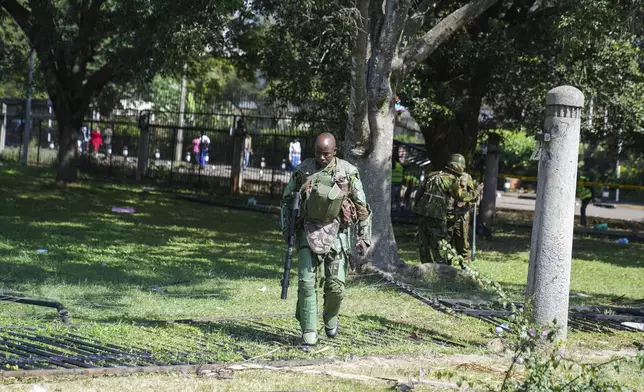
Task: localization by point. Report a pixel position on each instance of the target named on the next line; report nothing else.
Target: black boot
(331, 332)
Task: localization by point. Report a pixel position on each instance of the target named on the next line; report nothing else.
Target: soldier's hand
(361, 248)
(480, 187)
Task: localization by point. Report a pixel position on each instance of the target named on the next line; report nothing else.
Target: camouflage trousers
(330, 270)
(430, 232)
(458, 232)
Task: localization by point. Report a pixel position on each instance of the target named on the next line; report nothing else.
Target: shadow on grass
(163, 241)
(363, 331)
(509, 241)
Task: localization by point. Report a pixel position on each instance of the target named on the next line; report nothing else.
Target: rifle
(295, 212)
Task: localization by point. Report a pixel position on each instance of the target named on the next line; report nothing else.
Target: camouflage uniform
(435, 200)
(458, 219)
(325, 241)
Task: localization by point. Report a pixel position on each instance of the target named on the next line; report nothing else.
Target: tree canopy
(447, 61)
(505, 61)
(84, 45)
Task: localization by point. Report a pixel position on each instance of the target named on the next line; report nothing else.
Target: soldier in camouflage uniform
(458, 219)
(435, 200)
(333, 204)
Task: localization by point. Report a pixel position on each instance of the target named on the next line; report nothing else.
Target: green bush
(546, 368)
(517, 147)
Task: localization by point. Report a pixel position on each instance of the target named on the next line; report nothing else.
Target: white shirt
(295, 149)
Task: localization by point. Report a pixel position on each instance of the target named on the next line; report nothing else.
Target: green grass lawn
(174, 259)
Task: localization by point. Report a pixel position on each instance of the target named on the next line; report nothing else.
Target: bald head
(325, 140)
(325, 149)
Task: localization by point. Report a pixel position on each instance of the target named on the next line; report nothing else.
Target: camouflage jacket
(470, 194)
(441, 193)
(355, 196)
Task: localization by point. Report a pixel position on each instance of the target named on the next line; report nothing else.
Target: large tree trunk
(377, 65)
(375, 173)
(69, 129)
(456, 136)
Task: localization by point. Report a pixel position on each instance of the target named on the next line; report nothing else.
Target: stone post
(490, 181)
(552, 231)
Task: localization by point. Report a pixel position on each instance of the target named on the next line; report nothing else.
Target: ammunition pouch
(324, 203)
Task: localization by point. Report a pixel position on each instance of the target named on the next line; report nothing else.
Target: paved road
(621, 212)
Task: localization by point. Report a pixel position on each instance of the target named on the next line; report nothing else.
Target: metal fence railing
(173, 158)
(172, 153)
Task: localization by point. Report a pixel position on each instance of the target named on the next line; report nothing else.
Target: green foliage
(303, 49)
(14, 62)
(512, 57)
(546, 366)
(14, 52)
(118, 42)
(517, 147)
(212, 85)
(174, 259)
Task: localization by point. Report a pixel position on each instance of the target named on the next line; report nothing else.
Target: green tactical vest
(584, 192)
(397, 173)
(323, 196)
(431, 200)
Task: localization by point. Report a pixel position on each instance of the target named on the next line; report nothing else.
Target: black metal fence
(175, 156)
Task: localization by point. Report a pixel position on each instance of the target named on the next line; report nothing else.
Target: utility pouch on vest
(324, 203)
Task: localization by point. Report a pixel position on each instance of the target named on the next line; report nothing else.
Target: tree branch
(95, 83)
(386, 48)
(425, 45)
(18, 12)
(89, 15)
(395, 15)
(86, 37)
(416, 21)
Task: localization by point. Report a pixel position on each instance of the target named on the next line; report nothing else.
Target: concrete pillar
(3, 127)
(552, 232)
(490, 181)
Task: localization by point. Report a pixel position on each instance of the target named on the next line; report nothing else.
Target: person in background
(95, 140)
(411, 182)
(438, 195)
(107, 139)
(294, 153)
(397, 171)
(204, 146)
(195, 150)
(586, 195)
(248, 149)
(83, 139)
(458, 218)
(398, 105)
